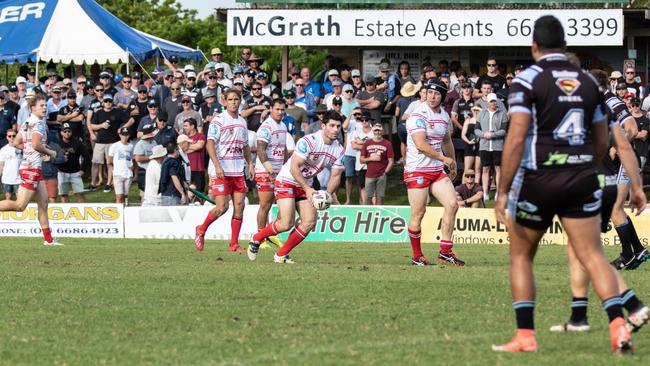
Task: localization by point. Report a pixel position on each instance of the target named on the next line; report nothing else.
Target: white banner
(180, 222)
(422, 28)
(67, 220)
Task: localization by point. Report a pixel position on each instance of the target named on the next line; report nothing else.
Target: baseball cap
(347, 87)
(290, 94)
(491, 97)
(57, 89)
(322, 108)
(188, 67)
(149, 131)
(66, 126)
(216, 51)
(105, 74)
(136, 75)
(21, 79)
(124, 131)
(108, 97)
(152, 103)
(370, 80)
(465, 84)
(186, 98)
(365, 114)
(262, 75)
(31, 71)
(67, 81)
(337, 100)
(51, 73)
(71, 94)
(238, 81)
(238, 70)
(157, 70)
(384, 66)
(13, 88)
(333, 72)
(142, 88)
(219, 66)
(519, 67)
(621, 86)
(161, 116)
(182, 138)
(337, 82)
(427, 68)
(294, 71)
(191, 74)
(444, 74)
(355, 72)
(212, 74)
(615, 75)
(636, 100)
(209, 93)
(168, 73)
(628, 95)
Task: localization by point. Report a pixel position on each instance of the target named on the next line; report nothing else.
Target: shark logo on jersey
(264, 133)
(568, 85)
(302, 147)
(420, 123)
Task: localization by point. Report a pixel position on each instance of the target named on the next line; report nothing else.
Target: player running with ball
(293, 186)
(429, 150)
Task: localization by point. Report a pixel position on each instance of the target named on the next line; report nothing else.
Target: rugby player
(293, 186)
(271, 154)
(557, 131)
(32, 138)
(638, 312)
(228, 150)
(429, 151)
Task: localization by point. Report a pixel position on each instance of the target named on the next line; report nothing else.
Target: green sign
(359, 224)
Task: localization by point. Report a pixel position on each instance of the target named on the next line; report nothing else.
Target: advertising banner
(179, 222)
(87, 220)
(422, 28)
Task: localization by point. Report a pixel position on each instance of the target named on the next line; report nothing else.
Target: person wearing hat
(190, 89)
(73, 115)
(7, 120)
(54, 104)
(388, 83)
(349, 103)
(299, 115)
(24, 111)
(429, 155)
(409, 93)
(255, 62)
(615, 78)
(469, 193)
(358, 136)
(142, 154)
(21, 85)
(491, 128)
(217, 56)
(166, 133)
(621, 90)
(332, 75)
(294, 74)
(337, 104)
(256, 107)
(486, 89)
(210, 106)
(10, 158)
(13, 100)
(640, 140)
(120, 157)
(195, 150)
(161, 91)
(70, 172)
(187, 112)
(633, 85)
(151, 197)
(173, 103)
(150, 116)
(104, 129)
(372, 98)
(212, 85)
(377, 154)
(337, 91)
(315, 125)
(357, 81)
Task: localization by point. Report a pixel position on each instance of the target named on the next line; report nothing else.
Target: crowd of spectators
(149, 127)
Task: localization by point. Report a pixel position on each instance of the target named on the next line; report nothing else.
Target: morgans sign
(325, 27)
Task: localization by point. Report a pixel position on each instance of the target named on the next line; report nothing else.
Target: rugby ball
(322, 200)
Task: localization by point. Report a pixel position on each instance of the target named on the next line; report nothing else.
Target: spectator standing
(142, 155)
(70, 171)
(51, 172)
(461, 110)
(640, 140)
(615, 78)
(7, 121)
(362, 133)
(496, 80)
(152, 178)
(450, 99)
(469, 193)
(305, 100)
(337, 91)
(299, 114)
(72, 114)
(172, 179)
(468, 135)
(486, 89)
(172, 105)
(209, 107)
(633, 85)
(187, 112)
(502, 94)
(150, 118)
(388, 83)
(54, 104)
(125, 96)
(491, 127)
(357, 82)
(372, 99)
(349, 103)
(163, 91)
(255, 63)
(196, 153)
(166, 133)
(120, 156)
(217, 57)
(13, 101)
(377, 153)
(256, 107)
(349, 159)
(404, 73)
(408, 92)
(328, 85)
(310, 86)
(294, 74)
(10, 159)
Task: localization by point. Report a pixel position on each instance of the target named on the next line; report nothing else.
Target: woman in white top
(120, 156)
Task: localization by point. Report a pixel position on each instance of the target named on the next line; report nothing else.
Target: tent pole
(128, 56)
(37, 62)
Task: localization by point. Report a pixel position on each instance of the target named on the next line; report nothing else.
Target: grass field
(132, 302)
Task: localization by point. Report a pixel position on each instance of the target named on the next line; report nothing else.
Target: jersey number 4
(571, 128)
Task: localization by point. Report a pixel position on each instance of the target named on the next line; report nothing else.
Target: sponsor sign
(67, 220)
(422, 28)
(179, 222)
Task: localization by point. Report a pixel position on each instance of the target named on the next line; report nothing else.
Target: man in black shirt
(172, 179)
(548, 170)
(257, 107)
(492, 76)
(166, 134)
(73, 115)
(7, 120)
(70, 172)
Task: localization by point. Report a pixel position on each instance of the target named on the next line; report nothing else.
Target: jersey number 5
(571, 128)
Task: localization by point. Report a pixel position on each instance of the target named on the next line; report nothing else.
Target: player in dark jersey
(639, 314)
(557, 130)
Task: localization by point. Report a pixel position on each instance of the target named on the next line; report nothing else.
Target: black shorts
(401, 132)
(490, 158)
(142, 177)
(609, 197)
(471, 149)
(537, 196)
(361, 178)
(198, 179)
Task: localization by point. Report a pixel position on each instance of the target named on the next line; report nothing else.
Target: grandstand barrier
(346, 224)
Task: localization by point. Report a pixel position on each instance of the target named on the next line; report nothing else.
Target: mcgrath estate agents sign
(330, 27)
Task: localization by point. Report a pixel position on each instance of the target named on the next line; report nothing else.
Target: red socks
(47, 234)
(295, 238)
(208, 220)
(268, 230)
(235, 227)
(415, 236)
(445, 246)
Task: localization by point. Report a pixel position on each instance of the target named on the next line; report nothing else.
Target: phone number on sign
(86, 230)
(575, 27)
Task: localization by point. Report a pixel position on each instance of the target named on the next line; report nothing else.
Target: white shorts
(70, 180)
(622, 178)
(121, 185)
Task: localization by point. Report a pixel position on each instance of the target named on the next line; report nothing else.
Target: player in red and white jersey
(293, 186)
(271, 153)
(32, 137)
(429, 151)
(229, 153)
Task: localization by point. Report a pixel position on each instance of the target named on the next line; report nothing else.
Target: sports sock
(445, 246)
(206, 223)
(415, 236)
(47, 234)
(235, 228)
(634, 238)
(579, 310)
(613, 307)
(524, 311)
(625, 233)
(268, 230)
(631, 303)
(296, 237)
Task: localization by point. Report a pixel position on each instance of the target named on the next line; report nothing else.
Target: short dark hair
(332, 114)
(191, 121)
(548, 33)
(601, 77)
(171, 147)
(278, 101)
(488, 82)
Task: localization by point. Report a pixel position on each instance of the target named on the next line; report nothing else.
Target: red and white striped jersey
(275, 136)
(230, 136)
(317, 155)
(435, 126)
(32, 159)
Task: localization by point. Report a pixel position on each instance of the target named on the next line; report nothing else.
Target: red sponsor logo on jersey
(568, 86)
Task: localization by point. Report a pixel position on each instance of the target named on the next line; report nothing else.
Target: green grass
(154, 302)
